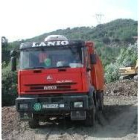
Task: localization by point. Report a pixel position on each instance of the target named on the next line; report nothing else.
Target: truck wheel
(90, 117)
(34, 122)
(101, 99)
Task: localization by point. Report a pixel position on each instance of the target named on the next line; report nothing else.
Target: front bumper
(61, 105)
(64, 104)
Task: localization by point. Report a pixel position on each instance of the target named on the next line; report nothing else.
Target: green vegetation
(111, 41)
(112, 72)
(117, 31)
(9, 79)
(128, 56)
(9, 86)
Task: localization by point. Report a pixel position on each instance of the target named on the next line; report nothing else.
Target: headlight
(23, 106)
(78, 104)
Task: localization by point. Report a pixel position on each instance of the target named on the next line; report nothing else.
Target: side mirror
(13, 64)
(93, 58)
(88, 69)
(13, 54)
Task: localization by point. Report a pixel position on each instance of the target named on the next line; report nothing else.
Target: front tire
(34, 122)
(101, 100)
(90, 116)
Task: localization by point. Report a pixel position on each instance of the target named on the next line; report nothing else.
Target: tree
(4, 41)
(5, 51)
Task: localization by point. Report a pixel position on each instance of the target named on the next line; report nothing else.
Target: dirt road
(117, 122)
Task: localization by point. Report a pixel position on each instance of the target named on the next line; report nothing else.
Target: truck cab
(59, 77)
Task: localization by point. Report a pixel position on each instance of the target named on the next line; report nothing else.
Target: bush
(9, 86)
(111, 73)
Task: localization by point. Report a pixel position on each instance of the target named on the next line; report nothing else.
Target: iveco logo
(50, 87)
(49, 77)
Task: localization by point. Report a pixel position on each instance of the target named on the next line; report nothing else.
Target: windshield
(51, 58)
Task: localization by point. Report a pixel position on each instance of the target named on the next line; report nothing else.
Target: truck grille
(47, 88)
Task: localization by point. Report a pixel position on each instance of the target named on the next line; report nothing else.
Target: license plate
(50, 106)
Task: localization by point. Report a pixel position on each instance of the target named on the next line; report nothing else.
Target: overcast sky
(23, 19)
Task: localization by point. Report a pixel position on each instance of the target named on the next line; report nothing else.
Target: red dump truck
(58, 77)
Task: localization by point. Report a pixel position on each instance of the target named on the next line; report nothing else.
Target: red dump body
(97, 73)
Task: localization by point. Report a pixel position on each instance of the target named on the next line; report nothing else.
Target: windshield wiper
(59, 67)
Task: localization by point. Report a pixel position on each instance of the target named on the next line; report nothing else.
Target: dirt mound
(122, 87)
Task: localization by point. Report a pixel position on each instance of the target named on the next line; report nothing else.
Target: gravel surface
(118, 121)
